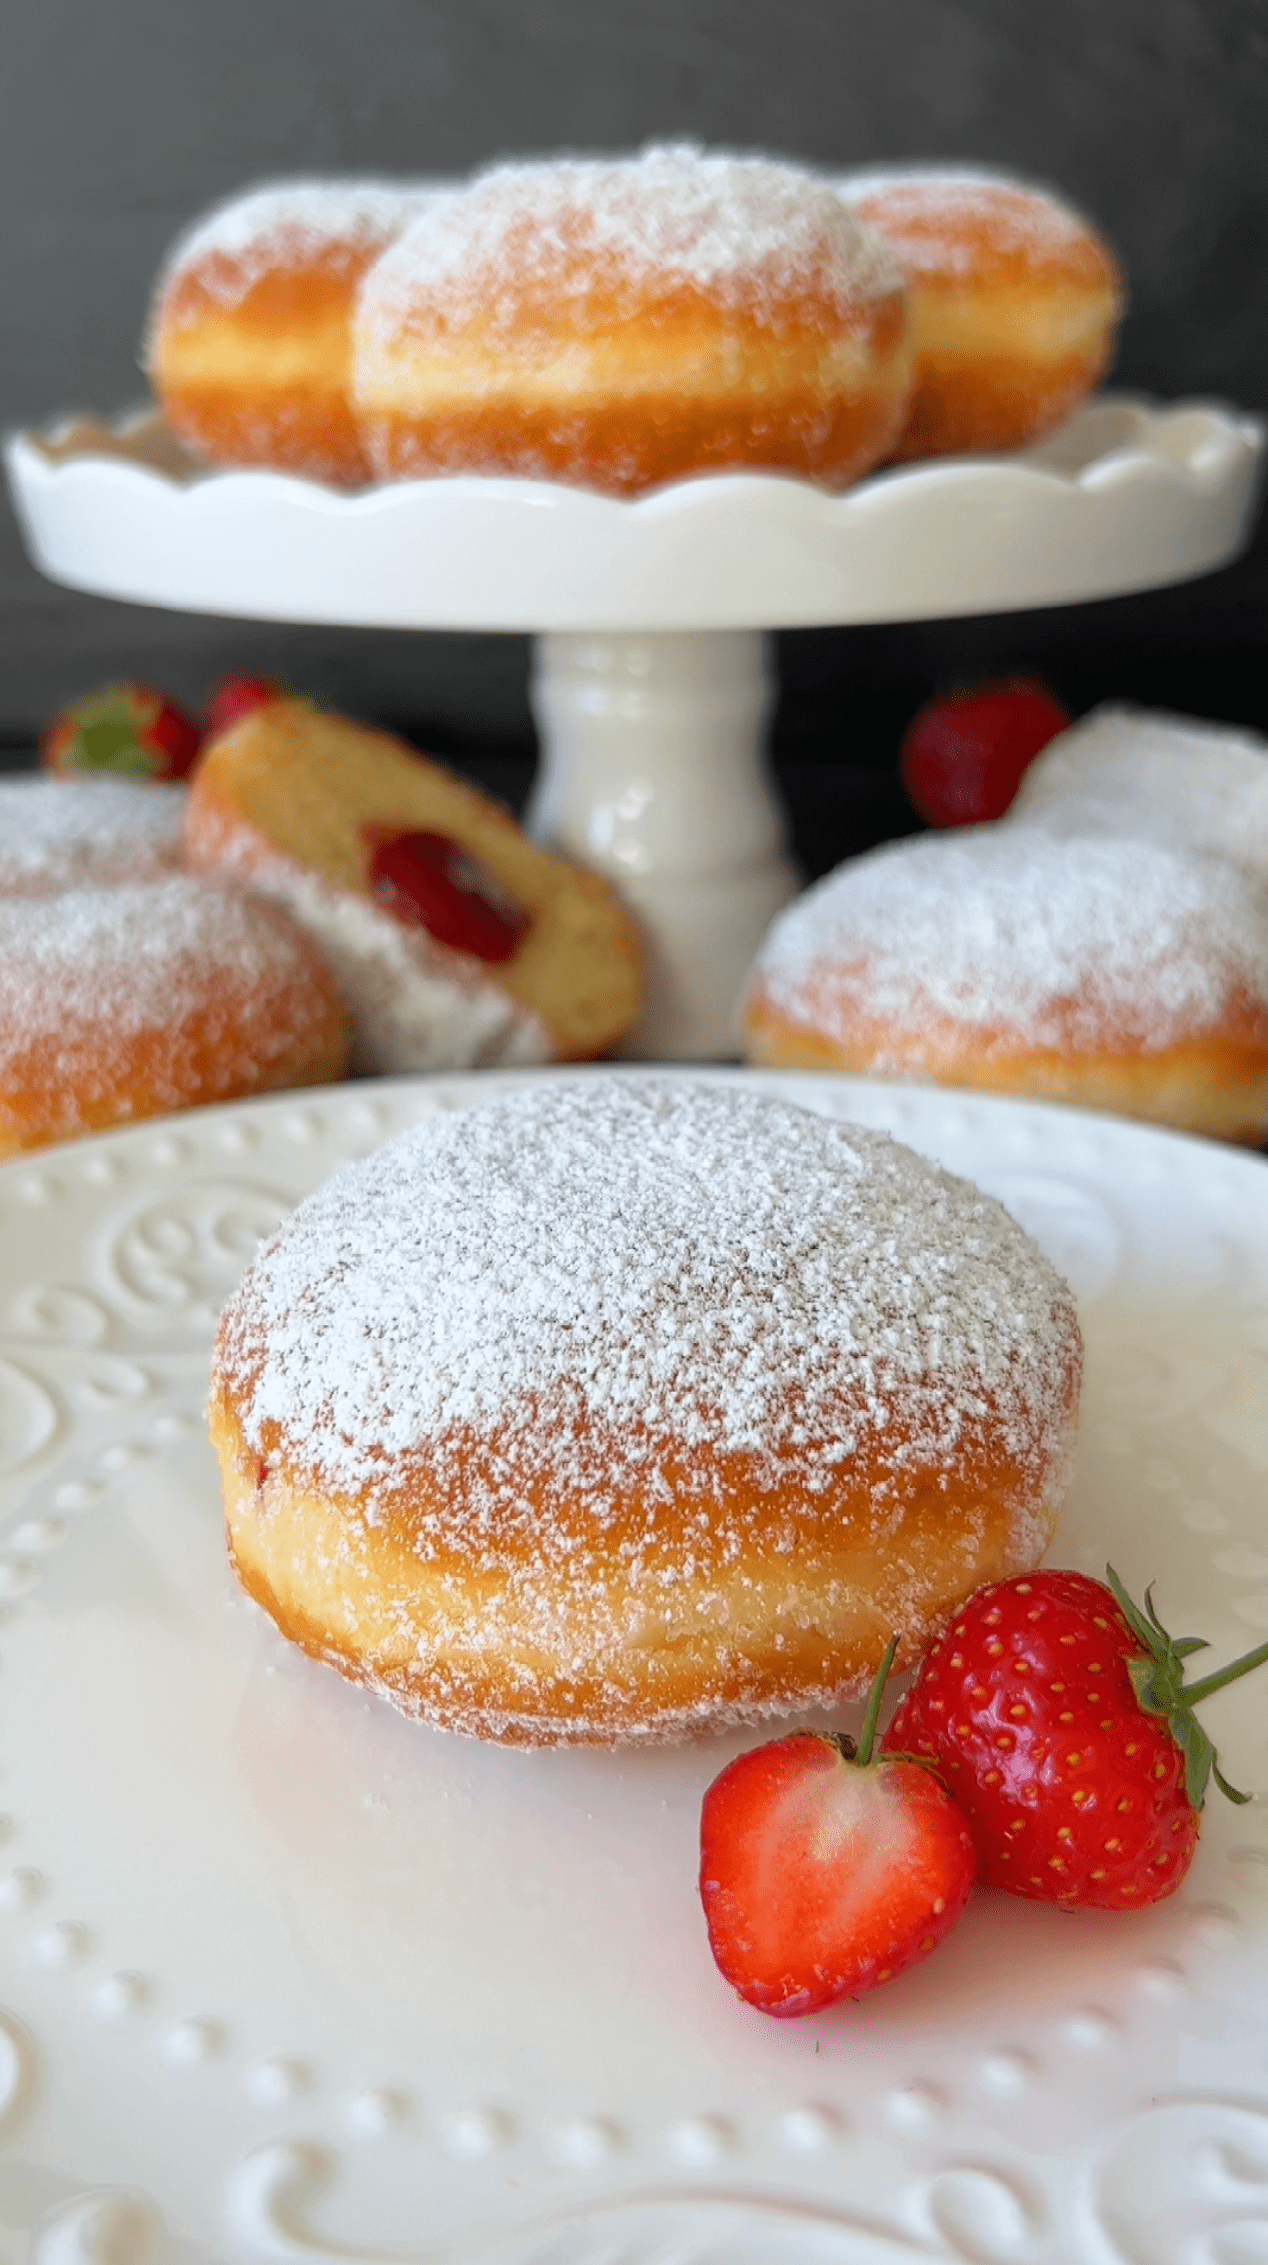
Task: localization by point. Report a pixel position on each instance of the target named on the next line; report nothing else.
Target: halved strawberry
(824, 1871)
(1058, 1714)
(963, 755)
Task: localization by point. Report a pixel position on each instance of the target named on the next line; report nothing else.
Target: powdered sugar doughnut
(127, 1002)
(250, 330)
(1015, 303)
(86, 832)
(617, 1408)
(297, 803)
(1117, 974)
(621, 322)
(1152, 777)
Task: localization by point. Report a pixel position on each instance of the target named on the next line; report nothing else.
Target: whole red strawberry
(237, 696)
(963, 756)
(1057, 1715)
(825, 1871)
(132, 728)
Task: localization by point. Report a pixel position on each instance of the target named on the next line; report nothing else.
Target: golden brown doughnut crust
(619, 324)
(250, 338)
(1015, 303)
(558, 1576)
(120, 1004)
(1109, 973)
(293, 780)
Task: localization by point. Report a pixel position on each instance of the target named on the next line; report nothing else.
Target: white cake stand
(651, 682)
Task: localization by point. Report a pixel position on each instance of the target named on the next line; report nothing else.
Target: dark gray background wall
(117, 122)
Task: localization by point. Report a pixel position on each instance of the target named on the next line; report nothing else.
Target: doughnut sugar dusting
(1186, 784)
(250, 331)
(86, 832)
(1067, 939)
(121, 1003)
(288, 222)
(624, 321)
(618, 1408)
(1015, 303)
(1115, 972)
(955, 219)
(749, 231)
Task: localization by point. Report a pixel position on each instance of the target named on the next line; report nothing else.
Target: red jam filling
(428, 881)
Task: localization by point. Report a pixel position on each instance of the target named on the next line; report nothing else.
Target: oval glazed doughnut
(249, 337)
(1015, 304)
(618, 1408)
(86, 832)
(124, 1003)
(1116, 974)
(617, 323)
(1153, 777)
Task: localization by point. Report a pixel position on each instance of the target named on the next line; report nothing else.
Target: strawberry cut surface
(827, 1869)
(426, 880)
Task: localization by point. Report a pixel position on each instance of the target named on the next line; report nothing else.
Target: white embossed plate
(289, 1978)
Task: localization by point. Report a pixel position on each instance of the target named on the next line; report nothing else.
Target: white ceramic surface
(287, 1978)
(649, 687)
(652, 772)
(1125, 497)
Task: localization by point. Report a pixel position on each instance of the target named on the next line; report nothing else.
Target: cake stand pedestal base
(653, 773)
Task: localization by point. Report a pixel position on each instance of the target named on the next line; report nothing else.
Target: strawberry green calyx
(860, 1753)
(1157, 1679)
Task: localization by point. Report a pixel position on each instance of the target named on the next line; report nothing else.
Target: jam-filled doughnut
(85, 832)
(1153, 777)
(122, 1003)
(616, 323)
(1113, 973)
(1015, 303)
(456, 942)
(250, 331)
(619, 1407)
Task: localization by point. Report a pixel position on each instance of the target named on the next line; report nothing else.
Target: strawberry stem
(1216, 1681)
(1157, 1678)
(867, 1735)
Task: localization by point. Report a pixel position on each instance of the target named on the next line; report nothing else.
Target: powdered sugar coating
(750, 232)
(95, 971)
(946, 220)
(1082, 943)
(290, 222)
(413, 1005)
(1153, 777)
(86, 833)
(609, 1275)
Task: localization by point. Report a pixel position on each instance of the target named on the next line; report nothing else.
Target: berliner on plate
(617, 1408)
(456, 942)
(616, 323)
(1153, 777)
(250, 332)
(1116, 974)
(85, 833)
(1015, 303)
(125, 1002)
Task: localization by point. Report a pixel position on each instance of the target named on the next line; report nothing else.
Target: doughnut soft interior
(621, 1408)
(291, 795)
